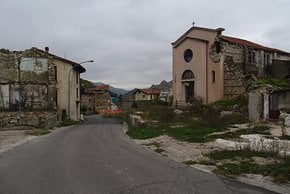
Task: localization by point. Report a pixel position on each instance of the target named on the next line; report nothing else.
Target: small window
(55, 73)
(213, 76)
(77, 78)
(56, 98)
(252, 57)
(77, 93)
(187, 55)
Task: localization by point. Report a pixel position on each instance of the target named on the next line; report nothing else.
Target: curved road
(97, 157)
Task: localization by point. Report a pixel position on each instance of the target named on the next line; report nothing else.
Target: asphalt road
(97, 157)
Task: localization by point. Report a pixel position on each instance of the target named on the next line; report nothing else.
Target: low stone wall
(34, 119)
(258, 143)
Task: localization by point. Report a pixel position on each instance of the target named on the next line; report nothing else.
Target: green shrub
(228, 104)
(67, 122)
(38, 132)
(144, 132)
(271, 81)
(197, 131)
(161, 113)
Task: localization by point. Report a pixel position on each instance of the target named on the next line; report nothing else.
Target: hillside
(118, 91)
(163, 86)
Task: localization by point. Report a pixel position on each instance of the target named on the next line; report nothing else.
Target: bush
(67, 122)
(161, 113)
(231, 103)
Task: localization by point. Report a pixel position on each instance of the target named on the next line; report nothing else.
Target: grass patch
(229, 103)
(207, 162)
(38, 132)
(229, 154)
(145, 132)
(67, 122)
(156, 144)
(197, 131)
(279, 171)
(191, 133)
(161, 113)
(264, 130)
(233, 169)
(202, 162)
(189, 162)
(159, 150)
(285, 137)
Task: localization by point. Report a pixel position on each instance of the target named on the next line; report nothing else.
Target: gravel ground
(185, 151)
(12, 138)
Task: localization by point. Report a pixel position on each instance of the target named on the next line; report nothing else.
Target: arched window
(187, 75)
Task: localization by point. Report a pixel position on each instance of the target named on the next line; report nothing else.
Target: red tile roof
(150, 91)
(252, 44)
(102, 87)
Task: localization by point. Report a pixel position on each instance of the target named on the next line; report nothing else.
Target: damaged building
(211, 66)
(96, 99)
(36, 80)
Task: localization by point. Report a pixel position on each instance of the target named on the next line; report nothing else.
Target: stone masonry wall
(238, 71)
(27, 80)
(39, 119)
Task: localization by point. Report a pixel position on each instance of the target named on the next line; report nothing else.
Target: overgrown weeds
(258, 129)
(67, 122)
(38, 132)
(278, 170)
(196, 131)
(197, 121)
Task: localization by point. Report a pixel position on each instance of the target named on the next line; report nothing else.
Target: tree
(86, 83)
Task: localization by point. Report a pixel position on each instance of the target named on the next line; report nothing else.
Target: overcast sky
(129, 40)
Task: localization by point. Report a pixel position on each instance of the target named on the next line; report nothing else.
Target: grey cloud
(130, 39)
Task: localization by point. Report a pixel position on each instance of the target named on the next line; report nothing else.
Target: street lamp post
(69, 84)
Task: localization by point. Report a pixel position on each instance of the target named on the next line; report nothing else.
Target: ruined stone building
(96, 99)
(211, 66)
(34, 79)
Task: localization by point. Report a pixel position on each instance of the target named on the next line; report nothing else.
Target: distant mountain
(118, 91)
(163, 86)
(130, 93)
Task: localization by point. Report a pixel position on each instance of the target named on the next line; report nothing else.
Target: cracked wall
(238, 69)
(27, 80)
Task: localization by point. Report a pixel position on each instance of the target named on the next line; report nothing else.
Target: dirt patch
(180, 151)
(187, 152)
(12, 138)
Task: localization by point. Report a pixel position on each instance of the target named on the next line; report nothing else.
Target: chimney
(219, 31)
(46, 49)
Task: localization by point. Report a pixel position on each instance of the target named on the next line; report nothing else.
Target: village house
(210, 66)
(146, 94)
(95, 100)
(36, 80)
